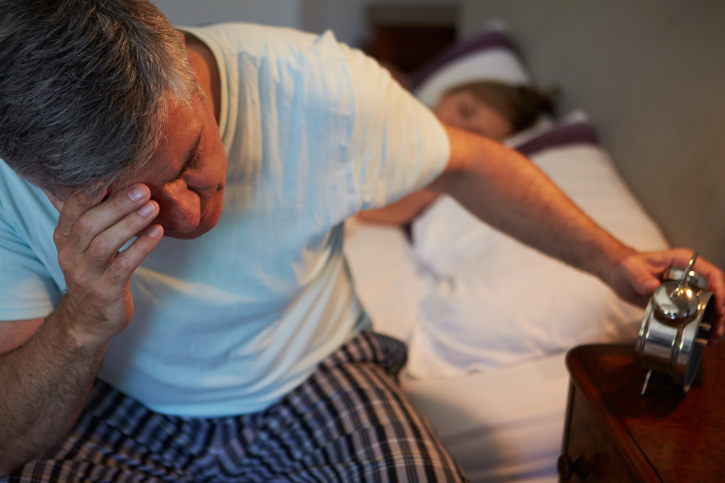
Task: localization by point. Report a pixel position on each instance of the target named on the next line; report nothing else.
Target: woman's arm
(402, 211)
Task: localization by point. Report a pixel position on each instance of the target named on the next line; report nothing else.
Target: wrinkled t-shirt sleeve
(398, 144)
(26, 289)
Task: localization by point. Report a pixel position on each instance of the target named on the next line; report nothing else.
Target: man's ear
(181, 34)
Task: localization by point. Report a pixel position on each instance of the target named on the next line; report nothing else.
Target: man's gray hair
(85, 88)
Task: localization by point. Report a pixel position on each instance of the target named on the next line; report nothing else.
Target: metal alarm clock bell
(676, 326)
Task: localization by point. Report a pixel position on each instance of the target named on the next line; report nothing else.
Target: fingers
(123, 266)
(83, 218)
(72, 209)
(716, 285)
(716, 281)
(680, 257)
(88, 241)
(104, 246)
(640, 279)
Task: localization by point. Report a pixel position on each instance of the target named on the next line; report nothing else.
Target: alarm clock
(676, 326)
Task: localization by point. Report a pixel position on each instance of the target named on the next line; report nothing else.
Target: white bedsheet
(501, 426)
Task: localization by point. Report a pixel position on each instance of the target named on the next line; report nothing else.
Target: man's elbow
(6, 470)
(10, 463)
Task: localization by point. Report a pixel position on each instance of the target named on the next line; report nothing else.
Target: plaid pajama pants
(348, 422)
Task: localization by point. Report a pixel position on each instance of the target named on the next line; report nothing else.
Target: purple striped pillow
(489, 55)
(569, 133)
(486, 40)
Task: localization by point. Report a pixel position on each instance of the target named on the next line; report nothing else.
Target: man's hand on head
(89, 235)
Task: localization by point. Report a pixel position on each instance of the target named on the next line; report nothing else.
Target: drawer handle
(568, 468)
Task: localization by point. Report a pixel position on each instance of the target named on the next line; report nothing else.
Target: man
(174, 228)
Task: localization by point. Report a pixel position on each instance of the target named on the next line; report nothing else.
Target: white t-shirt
(232, 321)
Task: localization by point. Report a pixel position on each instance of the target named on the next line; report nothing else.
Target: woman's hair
(85, 88)
(521, 105)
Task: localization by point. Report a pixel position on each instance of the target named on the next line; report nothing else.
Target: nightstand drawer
(588, 455)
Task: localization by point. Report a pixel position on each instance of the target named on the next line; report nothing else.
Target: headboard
(652, 76)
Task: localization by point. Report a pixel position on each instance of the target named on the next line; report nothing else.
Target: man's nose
(179, 207)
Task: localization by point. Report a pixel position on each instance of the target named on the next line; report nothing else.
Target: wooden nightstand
(614, 434)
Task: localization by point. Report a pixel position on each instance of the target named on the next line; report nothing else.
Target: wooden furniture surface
(613, 433)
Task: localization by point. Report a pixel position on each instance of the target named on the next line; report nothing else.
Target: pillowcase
(496, 302)
(488, 55)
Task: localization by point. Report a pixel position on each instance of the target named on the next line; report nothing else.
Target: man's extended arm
(507, 191)
(46, 380)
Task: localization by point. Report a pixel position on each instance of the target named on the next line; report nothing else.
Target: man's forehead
(154, 173)
(138, 173)
(181, 135)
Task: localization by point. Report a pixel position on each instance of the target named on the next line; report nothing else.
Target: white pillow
(488, 55)
(497, 302)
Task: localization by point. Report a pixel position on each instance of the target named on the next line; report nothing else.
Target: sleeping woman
(491, 109)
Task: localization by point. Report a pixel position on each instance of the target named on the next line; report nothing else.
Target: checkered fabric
(348, 422)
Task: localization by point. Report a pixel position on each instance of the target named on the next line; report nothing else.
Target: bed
(487, 320)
